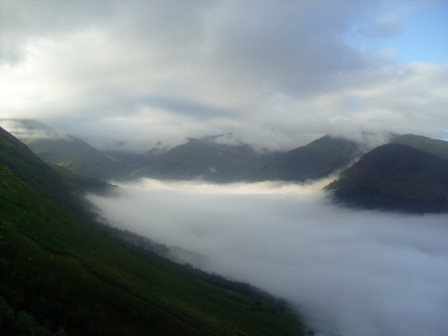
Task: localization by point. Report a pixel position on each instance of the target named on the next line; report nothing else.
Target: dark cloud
(293, 47)
(349, 272)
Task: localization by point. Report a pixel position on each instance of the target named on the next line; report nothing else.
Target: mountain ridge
(317, 159)
(203, 159)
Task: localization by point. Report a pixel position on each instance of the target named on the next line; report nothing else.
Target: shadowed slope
(395, 177)
(203, 159)
(318, 159)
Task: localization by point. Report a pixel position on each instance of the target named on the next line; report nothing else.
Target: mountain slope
(65, 150)
(82, 184)
(395, 177)
(438, 148)
(316, 160)
(76, 156)
(27, 167)
(205, 159)
(60, 276)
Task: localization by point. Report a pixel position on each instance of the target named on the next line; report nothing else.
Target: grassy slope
(17, 158)
(60, 270)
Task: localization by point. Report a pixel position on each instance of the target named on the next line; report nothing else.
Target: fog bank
(348, 272)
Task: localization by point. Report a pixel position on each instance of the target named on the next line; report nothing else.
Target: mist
(34, 131)
(348, 272)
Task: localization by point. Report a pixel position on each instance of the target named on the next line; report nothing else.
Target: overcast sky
(275, 73)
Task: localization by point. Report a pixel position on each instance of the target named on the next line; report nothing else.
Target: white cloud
(349, 272)
(276, 74)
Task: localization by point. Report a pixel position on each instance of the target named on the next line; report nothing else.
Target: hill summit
(316, 160)
(397, 177)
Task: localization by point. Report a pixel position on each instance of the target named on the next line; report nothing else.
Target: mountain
(65, 150)
(317, 159)
(28, 168)
(207, 158)
(438, 148)
(63, 274)
(395, 177)
(83, 184)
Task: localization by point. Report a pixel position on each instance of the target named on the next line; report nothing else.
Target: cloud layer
(349, 272)
(277, 74)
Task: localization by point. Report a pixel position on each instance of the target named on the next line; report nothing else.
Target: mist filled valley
(348, 272)
(351, 233)
(223, 168)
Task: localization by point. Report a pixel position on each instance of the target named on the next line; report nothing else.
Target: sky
(347, 272)
(276, 74)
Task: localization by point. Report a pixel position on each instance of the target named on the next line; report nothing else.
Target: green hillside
(63, 275)
(26, 166)
(318, 159)
(395, 177)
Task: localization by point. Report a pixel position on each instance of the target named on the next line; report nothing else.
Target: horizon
(45, 131)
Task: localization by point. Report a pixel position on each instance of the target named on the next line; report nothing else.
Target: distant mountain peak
(228, 139)
(318, 159)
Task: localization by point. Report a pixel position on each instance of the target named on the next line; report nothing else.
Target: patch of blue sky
(419, 33)
(425, 35)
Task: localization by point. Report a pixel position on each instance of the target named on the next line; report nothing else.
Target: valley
(159, 243)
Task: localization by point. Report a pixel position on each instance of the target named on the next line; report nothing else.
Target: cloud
(348, 272)
(28, 129)
(277, 74)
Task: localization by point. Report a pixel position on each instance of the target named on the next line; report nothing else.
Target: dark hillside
(82, 184)
(395, 177)
(435, 147)
(199, 158)
(318, 159)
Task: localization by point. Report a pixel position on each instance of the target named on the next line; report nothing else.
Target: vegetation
(62, 275)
